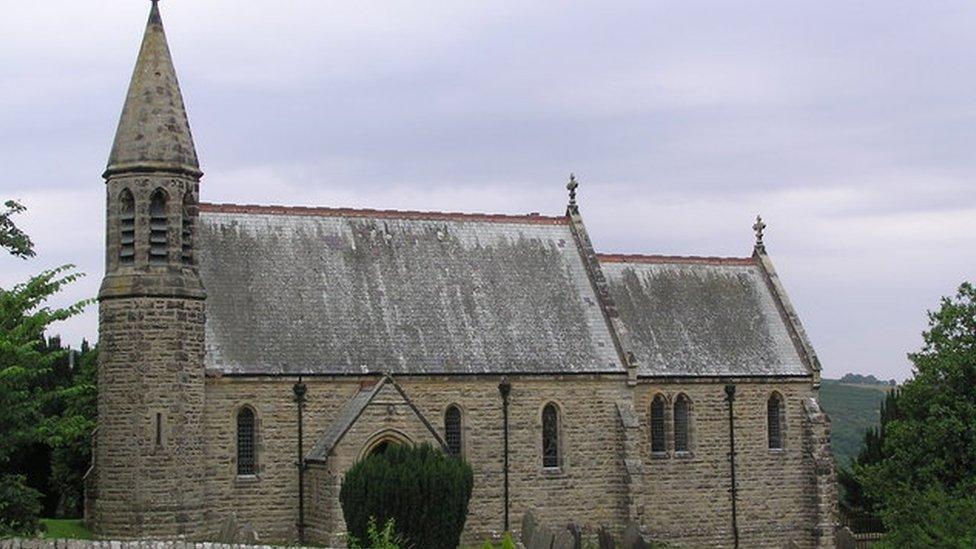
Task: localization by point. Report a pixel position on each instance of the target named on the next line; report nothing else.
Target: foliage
(507, 543)
(19, 506)
(12, 239)
(932, 519)
(386, 538)
(858, 379)
(425, 491)
(853, 411)
(65, 529)
(926, 470)
(854, 500)
(29, 369)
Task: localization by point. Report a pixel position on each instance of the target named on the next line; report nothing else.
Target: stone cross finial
(571, 187)
(759, 227)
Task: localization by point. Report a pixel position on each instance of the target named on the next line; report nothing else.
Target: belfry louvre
(627, 377)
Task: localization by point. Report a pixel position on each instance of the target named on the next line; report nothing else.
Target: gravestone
(528, 527)
(633, 539)
(605, 538)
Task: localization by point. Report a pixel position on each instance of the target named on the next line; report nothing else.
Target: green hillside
(852, 409)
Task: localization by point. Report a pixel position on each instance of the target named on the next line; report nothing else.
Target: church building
(249, 355)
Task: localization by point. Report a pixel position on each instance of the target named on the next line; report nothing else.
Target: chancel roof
(329, 291)
(701, 316)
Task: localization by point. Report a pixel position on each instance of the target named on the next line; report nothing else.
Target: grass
(65, 529)
(853, 409)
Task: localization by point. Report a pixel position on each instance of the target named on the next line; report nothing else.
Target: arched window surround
(126, 205)
(186, 228)
(659, 433)
(159, 215)
(454, 434)
(551, 436)
(776, 422)
(246, 445)
(683, 425)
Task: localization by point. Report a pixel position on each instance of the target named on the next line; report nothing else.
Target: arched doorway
(382, 441)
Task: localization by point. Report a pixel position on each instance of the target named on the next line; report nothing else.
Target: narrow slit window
(774, 410)
(681, 413)
(186, 241)
(127, 227)
(658, 442)
(158, 228)
(452, 430)
(246, 454)
(550, 436)
(159, 429)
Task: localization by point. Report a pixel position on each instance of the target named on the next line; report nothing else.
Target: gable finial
(759, 227)
(571, 187)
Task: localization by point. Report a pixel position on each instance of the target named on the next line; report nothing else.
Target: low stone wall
(35, 543)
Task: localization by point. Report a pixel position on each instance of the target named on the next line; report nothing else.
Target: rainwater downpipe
(505, 389)
(300, 389)
(730, 399)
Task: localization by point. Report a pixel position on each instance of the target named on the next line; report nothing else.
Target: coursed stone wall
(685, 498)
(151, 480)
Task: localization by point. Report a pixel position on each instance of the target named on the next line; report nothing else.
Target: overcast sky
(849, 125)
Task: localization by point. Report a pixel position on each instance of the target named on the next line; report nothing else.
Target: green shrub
(19, 506)
(423, 490)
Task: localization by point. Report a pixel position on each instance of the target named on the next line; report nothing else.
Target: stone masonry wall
(150, 365)
(775, 503)
(686, 498)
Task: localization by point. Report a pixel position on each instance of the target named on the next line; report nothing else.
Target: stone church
(249, 355)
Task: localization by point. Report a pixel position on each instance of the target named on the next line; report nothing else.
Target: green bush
(19, 507)
(424, 492)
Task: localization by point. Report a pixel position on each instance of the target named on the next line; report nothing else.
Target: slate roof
(333, 291)
(701, 316)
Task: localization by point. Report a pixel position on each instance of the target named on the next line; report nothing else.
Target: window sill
(553, 472)
(246, 479)
(687, 454)
(777, 451)
(660, 455)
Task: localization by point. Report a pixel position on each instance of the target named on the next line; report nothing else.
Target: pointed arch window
(682, 413)
(550, 436)
(186, 241)
(127, 227)
(452, 430)
(658, 440)
(158, 227)
(246, 449)
(774, 421)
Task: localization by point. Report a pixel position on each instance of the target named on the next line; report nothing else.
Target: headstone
(577, 533)
(528, 527)
(228, 530)
(845, 538)
(247, 535)
(605, 538)
(634, 539)
(541, 539)
(563, 539)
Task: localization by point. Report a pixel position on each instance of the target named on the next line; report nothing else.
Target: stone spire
(153, 132)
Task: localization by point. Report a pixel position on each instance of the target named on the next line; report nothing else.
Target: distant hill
(853, 409)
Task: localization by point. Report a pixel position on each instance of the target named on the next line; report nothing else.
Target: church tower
(148, 462)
